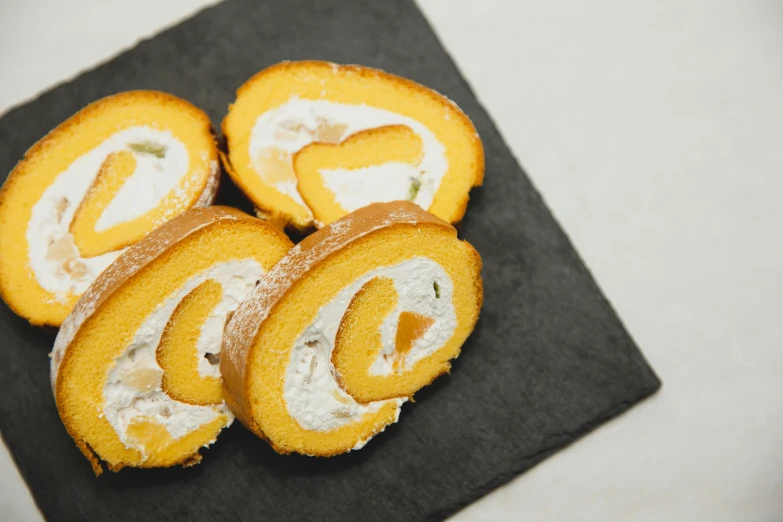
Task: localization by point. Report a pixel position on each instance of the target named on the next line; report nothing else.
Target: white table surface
(654, 130)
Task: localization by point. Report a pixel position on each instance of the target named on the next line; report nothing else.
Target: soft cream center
(300, 122)
(311, 391)
(133, 389)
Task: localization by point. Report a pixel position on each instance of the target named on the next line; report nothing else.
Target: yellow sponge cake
(99, 182)
(135, 366)
(312, 141)
(348, 326)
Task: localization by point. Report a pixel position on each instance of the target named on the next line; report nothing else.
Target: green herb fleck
(148, 147)
(437, 289)
(414, 190)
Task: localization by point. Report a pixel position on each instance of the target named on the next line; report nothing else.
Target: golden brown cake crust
(241, 331)
(24, 165)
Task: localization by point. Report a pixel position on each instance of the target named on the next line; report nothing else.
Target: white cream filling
(123, 403)
(62, 270)
(294, 125)
(355, 188)
(311, 391)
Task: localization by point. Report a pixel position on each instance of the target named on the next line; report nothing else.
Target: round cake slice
(99, 182)
(348, 326)
(135, 366)
(311, 141)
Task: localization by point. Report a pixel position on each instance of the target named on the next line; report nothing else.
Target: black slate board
(548, 361)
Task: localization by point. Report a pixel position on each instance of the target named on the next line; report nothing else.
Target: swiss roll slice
(96, 184)
(135, 366)
(312, 141)
(348, 326)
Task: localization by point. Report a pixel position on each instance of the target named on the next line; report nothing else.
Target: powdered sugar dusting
(210, 190)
